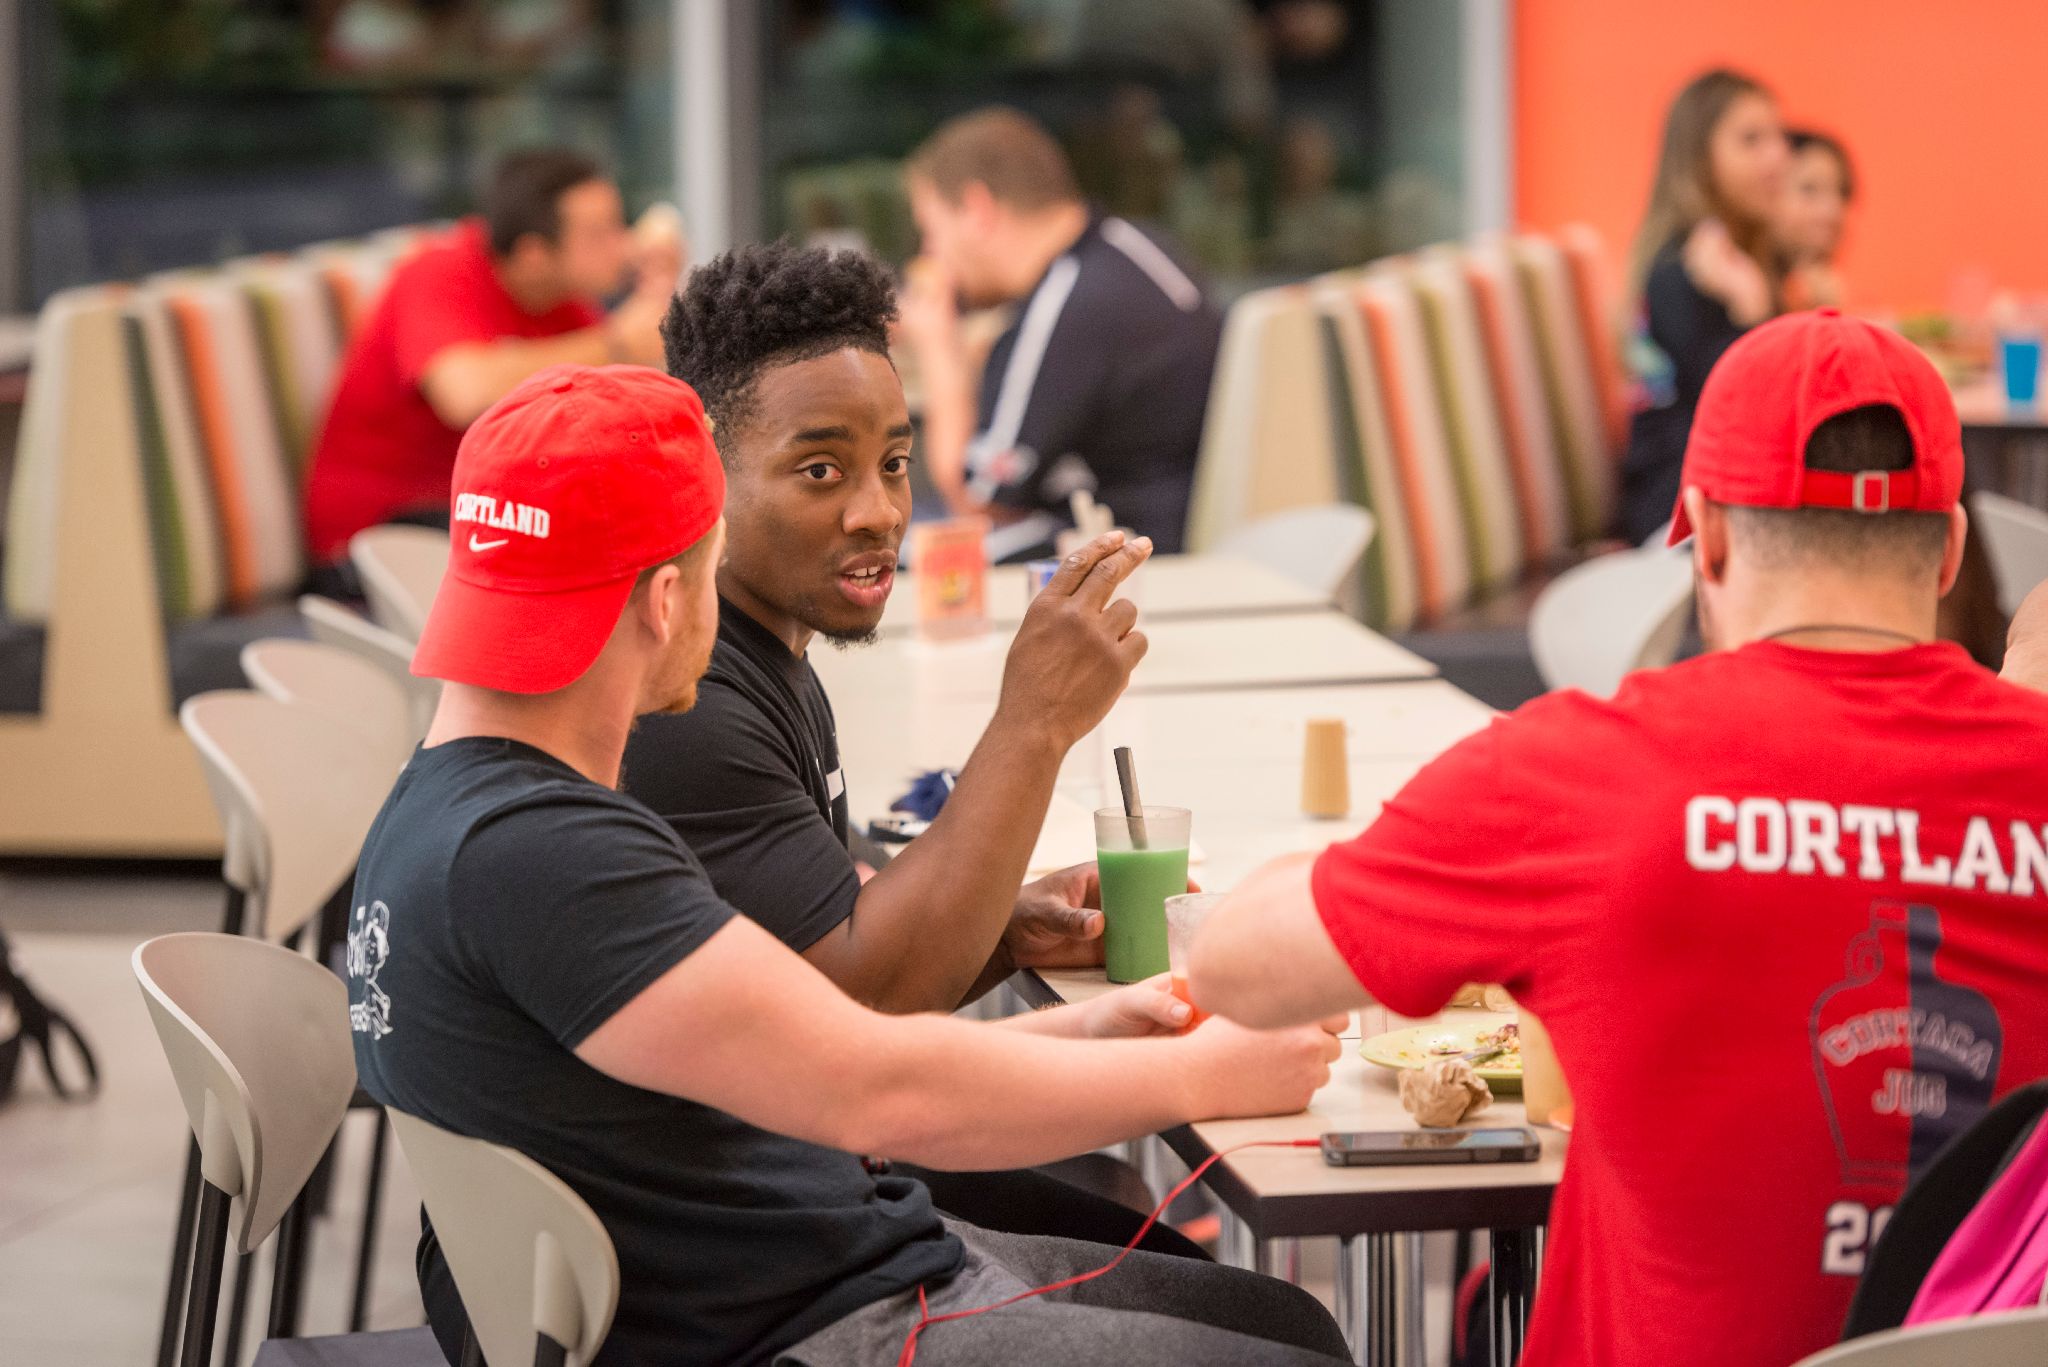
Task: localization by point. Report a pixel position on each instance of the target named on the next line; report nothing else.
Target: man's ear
(978, 204)
(1952, 547)
(657, 604)
(1709, 536)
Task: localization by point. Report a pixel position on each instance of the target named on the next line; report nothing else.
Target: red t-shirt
(383, 449)
(1785, 914)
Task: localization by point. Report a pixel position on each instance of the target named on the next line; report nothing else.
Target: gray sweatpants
(1153, 1311)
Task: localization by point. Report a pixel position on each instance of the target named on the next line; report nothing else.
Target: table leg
(1511, 1285)
(1379, 1298)
(1280, 1258)
(1235, 1246)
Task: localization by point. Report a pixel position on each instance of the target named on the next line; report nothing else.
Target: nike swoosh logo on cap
(476, 545)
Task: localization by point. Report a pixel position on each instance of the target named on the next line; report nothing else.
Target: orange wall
(1939, 101)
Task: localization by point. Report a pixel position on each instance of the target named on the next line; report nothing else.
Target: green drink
(1135, 885)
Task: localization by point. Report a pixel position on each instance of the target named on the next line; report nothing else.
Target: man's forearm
(1056, 1097)
(926, 927)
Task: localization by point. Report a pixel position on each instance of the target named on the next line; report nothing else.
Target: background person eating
(538, 961)
(788, 348)
(1783, 908)
(461, 322)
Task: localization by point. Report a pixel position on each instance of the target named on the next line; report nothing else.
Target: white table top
(1232, 758)
(1290, 1191)
(1168, 586)
(1212, 653)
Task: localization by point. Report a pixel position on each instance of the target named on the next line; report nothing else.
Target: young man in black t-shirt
(537, 960)
(789, 349)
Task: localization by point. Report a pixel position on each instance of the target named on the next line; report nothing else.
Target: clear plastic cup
(1184, 916)
(1139, 871)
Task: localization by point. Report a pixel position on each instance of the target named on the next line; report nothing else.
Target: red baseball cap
(564, 491)
(1779, 381)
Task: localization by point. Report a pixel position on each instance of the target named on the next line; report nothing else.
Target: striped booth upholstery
(153, 529)
(1466, 395)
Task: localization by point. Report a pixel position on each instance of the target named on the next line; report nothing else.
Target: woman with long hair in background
(1704, 270)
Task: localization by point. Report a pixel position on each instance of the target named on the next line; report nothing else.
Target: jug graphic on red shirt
(1904, 1058)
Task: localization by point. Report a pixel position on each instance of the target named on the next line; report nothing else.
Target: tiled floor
(88, 1192)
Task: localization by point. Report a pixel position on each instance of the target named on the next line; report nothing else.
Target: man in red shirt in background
(1784, 908)
(462, 322)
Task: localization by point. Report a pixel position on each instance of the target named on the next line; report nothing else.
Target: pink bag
(1998, 1257)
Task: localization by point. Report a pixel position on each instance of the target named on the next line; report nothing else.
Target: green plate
(1417, 1045)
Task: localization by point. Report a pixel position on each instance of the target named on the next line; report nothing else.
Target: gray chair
(332, 624)
(535, 1269)
(401, 569)
(2015, 538)
(1601, 619)
(1318, 548)
(360, 695)
(2017, 1338)
(257, 1039)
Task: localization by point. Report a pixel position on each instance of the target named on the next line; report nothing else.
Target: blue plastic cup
(2020, 358)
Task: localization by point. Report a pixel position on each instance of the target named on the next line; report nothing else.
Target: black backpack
(1937, 1202)
(29, 1019)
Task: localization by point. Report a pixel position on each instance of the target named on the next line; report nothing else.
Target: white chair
(401, 569)
(360, 695)
(538, 1276)
(1318, 548)
(2018, 1338)
(257, 1038)
(296, 792)
(2016, 542)
(1615, 613)
(332, 624)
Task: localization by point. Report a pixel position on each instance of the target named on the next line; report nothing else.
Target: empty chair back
(332, 624)
(1479, 458)
(1568, 384)
(356, 693)
(528, 1256)
(1524, 413)
(2015, 541)
(2016, 1339)
(296, 795)
(258, 1040)
(1318, 548)
(1600, 620)
(1385, 593)
(1267, 440)
(1415, 424)
(401, 569)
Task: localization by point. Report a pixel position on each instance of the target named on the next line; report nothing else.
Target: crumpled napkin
(1442, 1092)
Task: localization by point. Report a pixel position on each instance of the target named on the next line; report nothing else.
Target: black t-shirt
(750, 779)
(505, 908)
(1101, 383)
(1691, 329)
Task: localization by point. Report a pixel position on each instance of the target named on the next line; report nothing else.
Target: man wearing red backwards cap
(1784, 908)
(537, 960)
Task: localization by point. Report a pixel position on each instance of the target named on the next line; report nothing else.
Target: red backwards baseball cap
(1779, 381)
(564, 491)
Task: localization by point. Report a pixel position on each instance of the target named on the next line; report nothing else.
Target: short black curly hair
(763, 306)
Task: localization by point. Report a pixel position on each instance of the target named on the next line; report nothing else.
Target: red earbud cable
(926, 1318)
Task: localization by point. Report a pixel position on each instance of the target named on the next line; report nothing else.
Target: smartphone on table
(1373, 1148)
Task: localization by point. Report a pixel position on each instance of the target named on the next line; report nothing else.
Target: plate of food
(1418, 1045)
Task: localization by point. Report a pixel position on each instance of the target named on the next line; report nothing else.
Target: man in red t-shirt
(463, 321)
(1784, 908)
